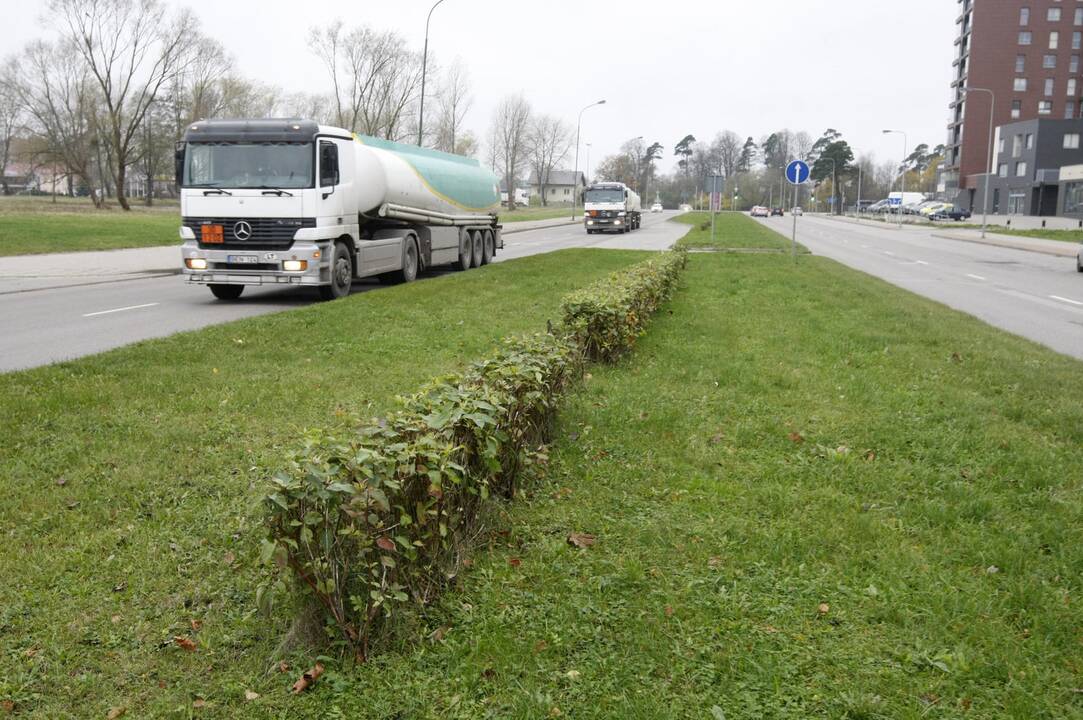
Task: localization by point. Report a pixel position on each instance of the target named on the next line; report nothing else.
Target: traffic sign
(798, 172)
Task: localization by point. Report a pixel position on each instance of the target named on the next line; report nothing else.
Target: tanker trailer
(291, 203)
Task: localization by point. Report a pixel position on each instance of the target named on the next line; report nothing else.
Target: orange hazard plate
(212, 234)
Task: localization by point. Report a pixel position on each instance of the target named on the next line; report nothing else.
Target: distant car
(798, 211)
(777, 211)
(657, 207)
(759, 211)
(685, 207)
(951, 213)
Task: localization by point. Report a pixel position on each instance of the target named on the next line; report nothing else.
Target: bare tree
(132, 51)
(59, 102)
(453, 101)
(375, 78)
(11, 111)
(511, 131)
(549, 141)
(727, 146)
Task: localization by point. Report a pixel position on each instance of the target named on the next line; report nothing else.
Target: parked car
(951, 213)
(657, 207)
(777, 211)
(758, 211)
(798, 211)
(877, 207)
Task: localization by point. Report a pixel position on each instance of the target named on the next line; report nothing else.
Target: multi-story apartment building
(1028, 53)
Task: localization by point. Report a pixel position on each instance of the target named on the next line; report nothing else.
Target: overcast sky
(666, 69)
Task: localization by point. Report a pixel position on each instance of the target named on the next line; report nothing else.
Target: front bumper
(598, 223)
(222, 269)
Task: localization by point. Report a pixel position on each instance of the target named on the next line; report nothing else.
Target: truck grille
(266, 233)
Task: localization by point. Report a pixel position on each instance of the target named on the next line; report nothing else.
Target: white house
(561, 186)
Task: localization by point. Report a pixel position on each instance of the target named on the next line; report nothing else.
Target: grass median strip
(1069, 236)
(733, 231)
(132, 479)
(810, 494)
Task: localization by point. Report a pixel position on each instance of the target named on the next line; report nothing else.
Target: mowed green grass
(814, 495)
(733, 231)
(32, 226)
(1072, 236)
(130, 484)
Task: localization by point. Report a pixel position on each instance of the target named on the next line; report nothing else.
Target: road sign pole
(793, 241)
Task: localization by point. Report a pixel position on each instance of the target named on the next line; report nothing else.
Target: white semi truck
(610, 206)
(291, 203)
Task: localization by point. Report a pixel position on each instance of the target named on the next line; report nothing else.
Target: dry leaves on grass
(796, 438)
(115, 712)
(581, 540)
(250, 695)
(823, 608)
(514, 562)
(307, 679)
(385, 543)
(184, 643)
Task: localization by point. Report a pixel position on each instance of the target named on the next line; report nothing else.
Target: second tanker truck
(611, 206)
(291, 203)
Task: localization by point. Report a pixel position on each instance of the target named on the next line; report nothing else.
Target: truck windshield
(248, 165)
(604, 196)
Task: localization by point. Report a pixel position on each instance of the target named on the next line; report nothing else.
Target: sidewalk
(1058, 248)
(24, 273)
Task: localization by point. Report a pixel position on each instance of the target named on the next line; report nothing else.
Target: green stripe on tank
(459, 180)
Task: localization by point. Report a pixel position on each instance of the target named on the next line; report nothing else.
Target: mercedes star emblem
(242, 230)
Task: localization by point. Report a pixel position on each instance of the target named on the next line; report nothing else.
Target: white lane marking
(886, 252)
(921, 262)
(1067, 300)
(116, 310)
(976, 277)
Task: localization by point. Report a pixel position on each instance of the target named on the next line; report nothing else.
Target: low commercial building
(1029, 156)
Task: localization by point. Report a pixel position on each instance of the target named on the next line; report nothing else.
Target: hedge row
(607, 318)
(378, 517)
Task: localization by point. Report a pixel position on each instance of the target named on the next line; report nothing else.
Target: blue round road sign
(797, 172)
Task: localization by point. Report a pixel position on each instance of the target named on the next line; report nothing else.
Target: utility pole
(575, 175)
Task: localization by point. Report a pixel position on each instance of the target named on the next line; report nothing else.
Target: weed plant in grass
(733, 231)
(865, 507)
(130, 485)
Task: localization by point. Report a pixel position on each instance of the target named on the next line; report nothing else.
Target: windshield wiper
(217, 191)
(268, 190)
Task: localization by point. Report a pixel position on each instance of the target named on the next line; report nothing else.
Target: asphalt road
(1037, 296)
(44, 326)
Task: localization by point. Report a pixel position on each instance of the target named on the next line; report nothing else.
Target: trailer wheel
(487, 247)
(479, 247)
(466, 250)
(341, 275)
(226, 292)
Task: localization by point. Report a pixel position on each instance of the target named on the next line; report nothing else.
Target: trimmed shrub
(607, 318)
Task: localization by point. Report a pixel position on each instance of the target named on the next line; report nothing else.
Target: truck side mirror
(178, 162)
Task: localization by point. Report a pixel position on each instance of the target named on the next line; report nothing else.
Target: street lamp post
(902, 194)
(575, 175)
(586, 172)
(424, 67)
(989, 154)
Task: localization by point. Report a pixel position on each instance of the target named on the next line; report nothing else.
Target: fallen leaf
(467, 562)
(956, 357)
(308, 678)
(540, 646)
(572, 674)
(992, 570)
(199, 702)
(714, 561)
(581, 540)
(669, 611)
(116, 619)
(555, 712)
(214, 371)
(196, 624)
(439, 633)
(229, 558)
(119, 587)
(61, 481)
(249, 695)
(115, 712)
(73, 504)
(7, 706)
(770, 629)
(562, 493)
(796, 438)
(283, 666)
(514, 562)
(185, 643)
(824, 608)
(385, 543)
(870, 456)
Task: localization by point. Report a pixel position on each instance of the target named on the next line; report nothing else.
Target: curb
(141, 275)
(1069, 250)
(504, 231)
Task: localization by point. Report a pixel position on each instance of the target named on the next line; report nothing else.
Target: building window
(1003, 144)
(1049, 87)
(1021, 169)
(1069, 111)
(1045, 107)
(1073, 64)
(1054, 40)
(1053, 15)
(1020, 85)
(1024, 37)
(1030, 141)
(1002, 171)
(1017, 146)
(1079, 16)
(1024, 16)
(1021, 63)
(1071, 141)
(1073, 198)
(1049, 62)
(1077, 40)
(1071, 87)
(1017, 109)
(996, 200)
(1017, 203)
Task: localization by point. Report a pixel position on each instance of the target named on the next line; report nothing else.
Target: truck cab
(610, 206)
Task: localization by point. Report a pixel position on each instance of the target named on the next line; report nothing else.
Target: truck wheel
(479, 247)
(409, 261)
(487, 247)
(226, 292)
(466, 250)
(341, 275)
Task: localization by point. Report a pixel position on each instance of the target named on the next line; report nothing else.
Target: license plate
(242, 259)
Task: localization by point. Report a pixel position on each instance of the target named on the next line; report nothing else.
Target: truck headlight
(196, 263)
(294, 265)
